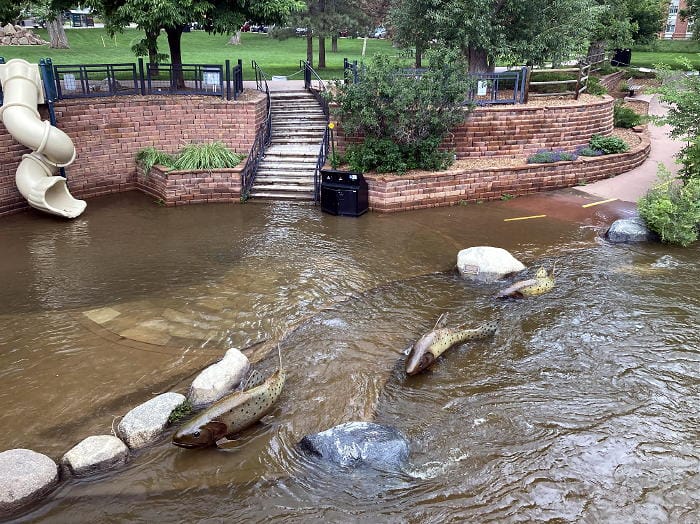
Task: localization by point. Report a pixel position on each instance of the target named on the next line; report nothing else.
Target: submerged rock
(487, 264)
(629, 230)
(218, 379)
(358, 444)
(94, 454)
(25, 476)
(145, 423)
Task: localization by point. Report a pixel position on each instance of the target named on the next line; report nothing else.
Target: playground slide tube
(36, 175)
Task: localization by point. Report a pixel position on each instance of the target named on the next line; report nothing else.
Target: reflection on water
(583, 407)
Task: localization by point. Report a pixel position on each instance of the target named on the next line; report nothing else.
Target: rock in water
(487, 264)
(359, 444)
(629, 230)
(25, 476)
(218, 379)
(145, 423)
(94, 454)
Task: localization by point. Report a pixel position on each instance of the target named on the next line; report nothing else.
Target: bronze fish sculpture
(234, 412)
(542, 283)
(434, 343)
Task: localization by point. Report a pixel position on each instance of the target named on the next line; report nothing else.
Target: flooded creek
(582, 408)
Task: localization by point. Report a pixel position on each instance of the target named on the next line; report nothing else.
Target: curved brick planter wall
(522, 129)
(401, 193)
(108, 132)
(176, 188)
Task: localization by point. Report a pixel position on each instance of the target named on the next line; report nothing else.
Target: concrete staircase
(287, 170)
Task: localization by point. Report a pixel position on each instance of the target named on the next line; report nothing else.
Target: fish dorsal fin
(441, 321)
(254, 379)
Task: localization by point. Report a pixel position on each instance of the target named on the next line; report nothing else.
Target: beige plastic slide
(52, 149)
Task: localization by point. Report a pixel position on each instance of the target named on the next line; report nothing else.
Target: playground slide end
(36, 175)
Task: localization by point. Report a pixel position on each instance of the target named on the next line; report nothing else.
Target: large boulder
(25, 477)
(359, 444)
(144, 424)
(487, 264)
(218, 379)
(632, 229)
(94, 454)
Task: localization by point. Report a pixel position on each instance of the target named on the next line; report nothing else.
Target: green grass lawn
(667, 52)
(93, 46)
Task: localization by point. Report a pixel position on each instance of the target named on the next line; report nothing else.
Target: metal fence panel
(96, 80)
(185, 79)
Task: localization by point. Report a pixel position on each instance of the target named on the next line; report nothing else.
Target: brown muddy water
(583, 408)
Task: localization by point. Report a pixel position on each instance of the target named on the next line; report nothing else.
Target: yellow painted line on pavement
(599, 203)
(523, 218)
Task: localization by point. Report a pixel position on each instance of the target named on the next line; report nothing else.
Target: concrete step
(304, 182)
(281, 195)
(291, 188)
(271, 165)
(302, 141)
(285, 95)
(301, 120)
(298, 134)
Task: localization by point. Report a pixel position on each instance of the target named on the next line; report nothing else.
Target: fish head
(197, 435)
(421, 357)
(541, 273)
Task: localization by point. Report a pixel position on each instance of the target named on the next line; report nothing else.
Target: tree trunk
(478, 60)
(334, 44)
(57, 35)
(310, 47)
(174, 43)
(419, 54)
(321, 52)
(595, 48)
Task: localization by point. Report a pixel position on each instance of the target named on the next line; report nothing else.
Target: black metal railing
(506, 87)
(185, 79)
(317, 87)
(262, 137)
(236, 77)
(95, 80)
(351, 71)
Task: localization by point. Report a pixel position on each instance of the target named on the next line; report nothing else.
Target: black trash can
(622, 57)
(343, 193)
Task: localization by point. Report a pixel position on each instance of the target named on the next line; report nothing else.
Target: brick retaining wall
(176, 188)
(523, 129)
(400, 193)
(107, 133)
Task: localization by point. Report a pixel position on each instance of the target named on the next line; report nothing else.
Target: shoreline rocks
(94, 454)
(487, 264)
(145, 423)
(25, 476)
(218, 379)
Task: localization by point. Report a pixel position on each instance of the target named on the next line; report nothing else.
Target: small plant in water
(212, 155)
(180, 412)
(507, 196)
(150, 156)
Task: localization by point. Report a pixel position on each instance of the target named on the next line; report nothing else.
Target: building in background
(677, 28)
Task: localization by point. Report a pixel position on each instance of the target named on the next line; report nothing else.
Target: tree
(9, 11)
(649, 15)
(51, 13)
(217, 16)
(692, 14)
(407, 33)
(513, 30)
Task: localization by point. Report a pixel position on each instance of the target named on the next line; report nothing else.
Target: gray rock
(145, 423)
(359, 444)
(487, 264)
(23, 40)
(629, 230)
(25, 476)
(9, 30)
(218, 379)
(94, 454)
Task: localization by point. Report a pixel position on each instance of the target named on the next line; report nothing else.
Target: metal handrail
(262, 137)
(319, 95)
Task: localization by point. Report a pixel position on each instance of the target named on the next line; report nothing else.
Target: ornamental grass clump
(214, 155)
(150, 156)
(548, 156)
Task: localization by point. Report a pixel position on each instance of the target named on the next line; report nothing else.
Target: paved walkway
(634, 184)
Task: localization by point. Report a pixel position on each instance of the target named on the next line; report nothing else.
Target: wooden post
(527, 84)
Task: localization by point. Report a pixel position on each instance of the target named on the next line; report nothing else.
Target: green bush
(672, 209)
(212, 155)
(150, 156)
(595, 87)
(689, 157)
(402, 117)
(609, 145)
(625, 117)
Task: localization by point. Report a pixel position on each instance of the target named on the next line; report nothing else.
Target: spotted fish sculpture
(542, 283)
(434, 343)
(234, 412)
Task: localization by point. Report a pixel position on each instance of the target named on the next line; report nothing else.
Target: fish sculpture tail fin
(441, 321)
(279, 354)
